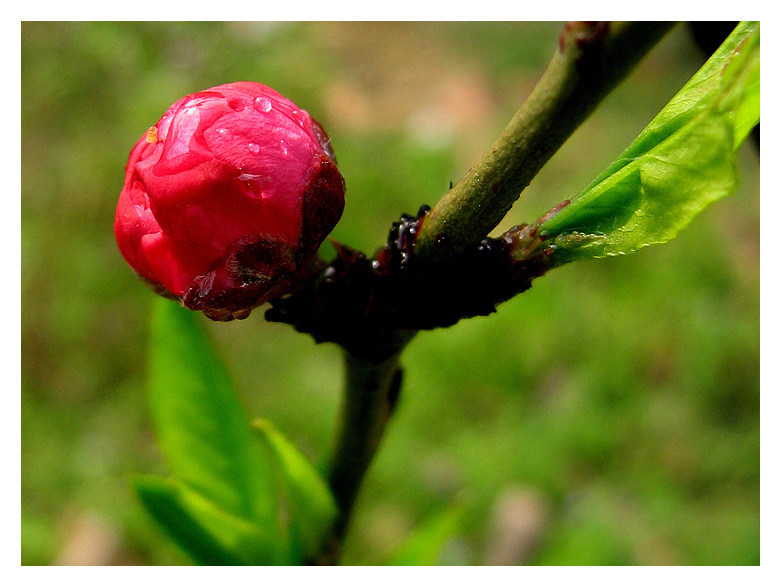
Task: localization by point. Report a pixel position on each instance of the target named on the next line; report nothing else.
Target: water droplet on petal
(254, 148)
(263, 104)
(284, 147)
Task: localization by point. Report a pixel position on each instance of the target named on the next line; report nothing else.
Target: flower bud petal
(227, 198)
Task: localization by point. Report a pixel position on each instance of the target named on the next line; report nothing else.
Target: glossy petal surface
(227, 197)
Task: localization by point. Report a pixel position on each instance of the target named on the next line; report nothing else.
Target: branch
(592, 58)
(371, 392)
(373, 307)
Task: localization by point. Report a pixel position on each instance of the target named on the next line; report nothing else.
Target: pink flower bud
(227, 198)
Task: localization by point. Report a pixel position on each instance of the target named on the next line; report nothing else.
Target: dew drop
(254, 148)
(152, 134)
(284, 147)
(262, 104)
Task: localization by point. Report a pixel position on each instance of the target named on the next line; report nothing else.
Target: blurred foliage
(619, 398)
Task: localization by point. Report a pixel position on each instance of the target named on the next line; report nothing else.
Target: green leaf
(207, 532)
(312, 508)
(424, 545)
(682, 162)
(203, 431)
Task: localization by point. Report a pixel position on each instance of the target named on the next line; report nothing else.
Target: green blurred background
(610, 415)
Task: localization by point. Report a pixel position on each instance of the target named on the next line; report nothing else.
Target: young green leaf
(682, 162)
(203, 431)
(208, 533)
(311, 505)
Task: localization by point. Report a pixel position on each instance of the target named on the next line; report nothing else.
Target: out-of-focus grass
(619, 398)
